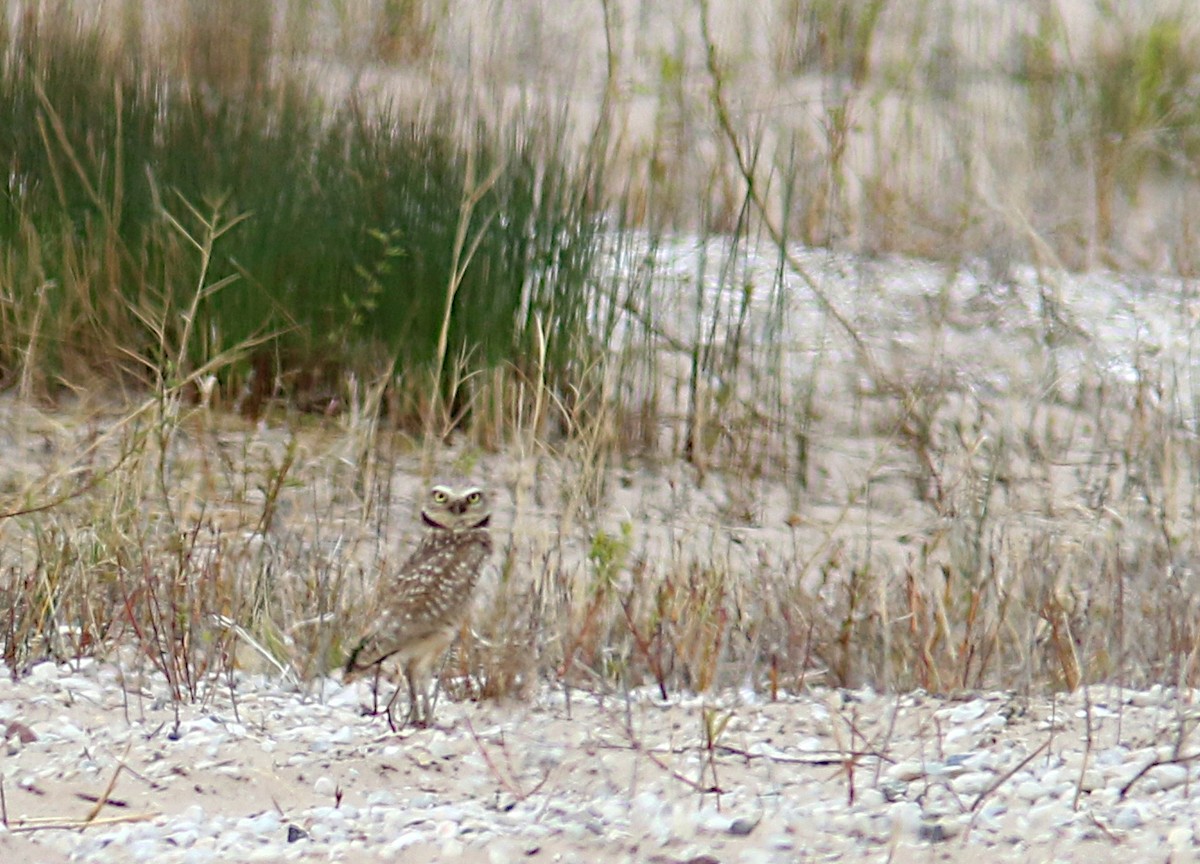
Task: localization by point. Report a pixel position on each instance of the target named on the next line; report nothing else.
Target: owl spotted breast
(424, 605)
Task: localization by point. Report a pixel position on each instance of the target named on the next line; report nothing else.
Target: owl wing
(429, 594)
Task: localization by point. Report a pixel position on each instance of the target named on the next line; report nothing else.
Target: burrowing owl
(429, 598)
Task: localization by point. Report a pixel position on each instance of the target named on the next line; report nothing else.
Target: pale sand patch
(613, 778)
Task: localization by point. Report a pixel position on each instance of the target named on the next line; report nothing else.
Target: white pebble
(503, 853)
(324, 786)
(452, 849)
(402, 842)
(972, 710)
(329, 814)
(869, 799)
(193, 815)
(1112, 756)
(905, 771)
(44, 672)
(184, 839)
(907, 816)
(143, 850)
(1146, 698)
(1128, 817)
(972, 783)
(441, 747)
(1167, 776)
(1091, 780)
(1030, 790)
(1181, 837)
(265, 824)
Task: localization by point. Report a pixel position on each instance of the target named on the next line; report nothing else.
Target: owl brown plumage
(426, 602)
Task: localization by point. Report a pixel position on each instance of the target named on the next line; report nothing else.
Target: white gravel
(265, 773)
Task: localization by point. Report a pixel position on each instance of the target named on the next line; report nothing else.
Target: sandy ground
(830, 775)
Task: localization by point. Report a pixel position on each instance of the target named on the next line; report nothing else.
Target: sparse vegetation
(731, 461)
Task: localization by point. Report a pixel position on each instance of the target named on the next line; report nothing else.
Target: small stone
(500, 853)
(1031, 790)
(906, 771)
(402, 842)
(1128, 818)
(1091, 780)
(972, 710)
(295, 833)
(193, 815)
(261, 825)
(932, 832)
(503, 802)
(1146, 698)
(184, 839)
(972, 783)
(1181, 837)
(328, 814)
(199, 855)
(1112, 756)
(452, 849)
(907, 815)
(441, 747)
(893, 790)
(17, 730)
(741, 826)
(43, 672)
(1167, 777)
(870, 798)
(324, 786)
(143, 850)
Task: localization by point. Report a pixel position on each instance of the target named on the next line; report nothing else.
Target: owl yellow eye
(439, 497)
(474, 498)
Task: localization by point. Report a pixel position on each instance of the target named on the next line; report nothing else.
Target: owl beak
(459, 507)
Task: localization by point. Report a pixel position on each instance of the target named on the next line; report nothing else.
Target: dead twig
(507, 780)
(112, 783)
(1004, 778)
(1174, 760)
(56, 823)
(997, 783)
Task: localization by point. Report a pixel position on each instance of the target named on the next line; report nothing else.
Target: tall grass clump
(1140, 89)
(361, 238)
(1121, 107)
(172, 227)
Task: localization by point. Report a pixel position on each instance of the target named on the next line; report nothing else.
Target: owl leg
(391, 705)
(419, 712)
(375, 690)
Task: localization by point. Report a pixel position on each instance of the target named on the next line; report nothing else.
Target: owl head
(452, 509)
